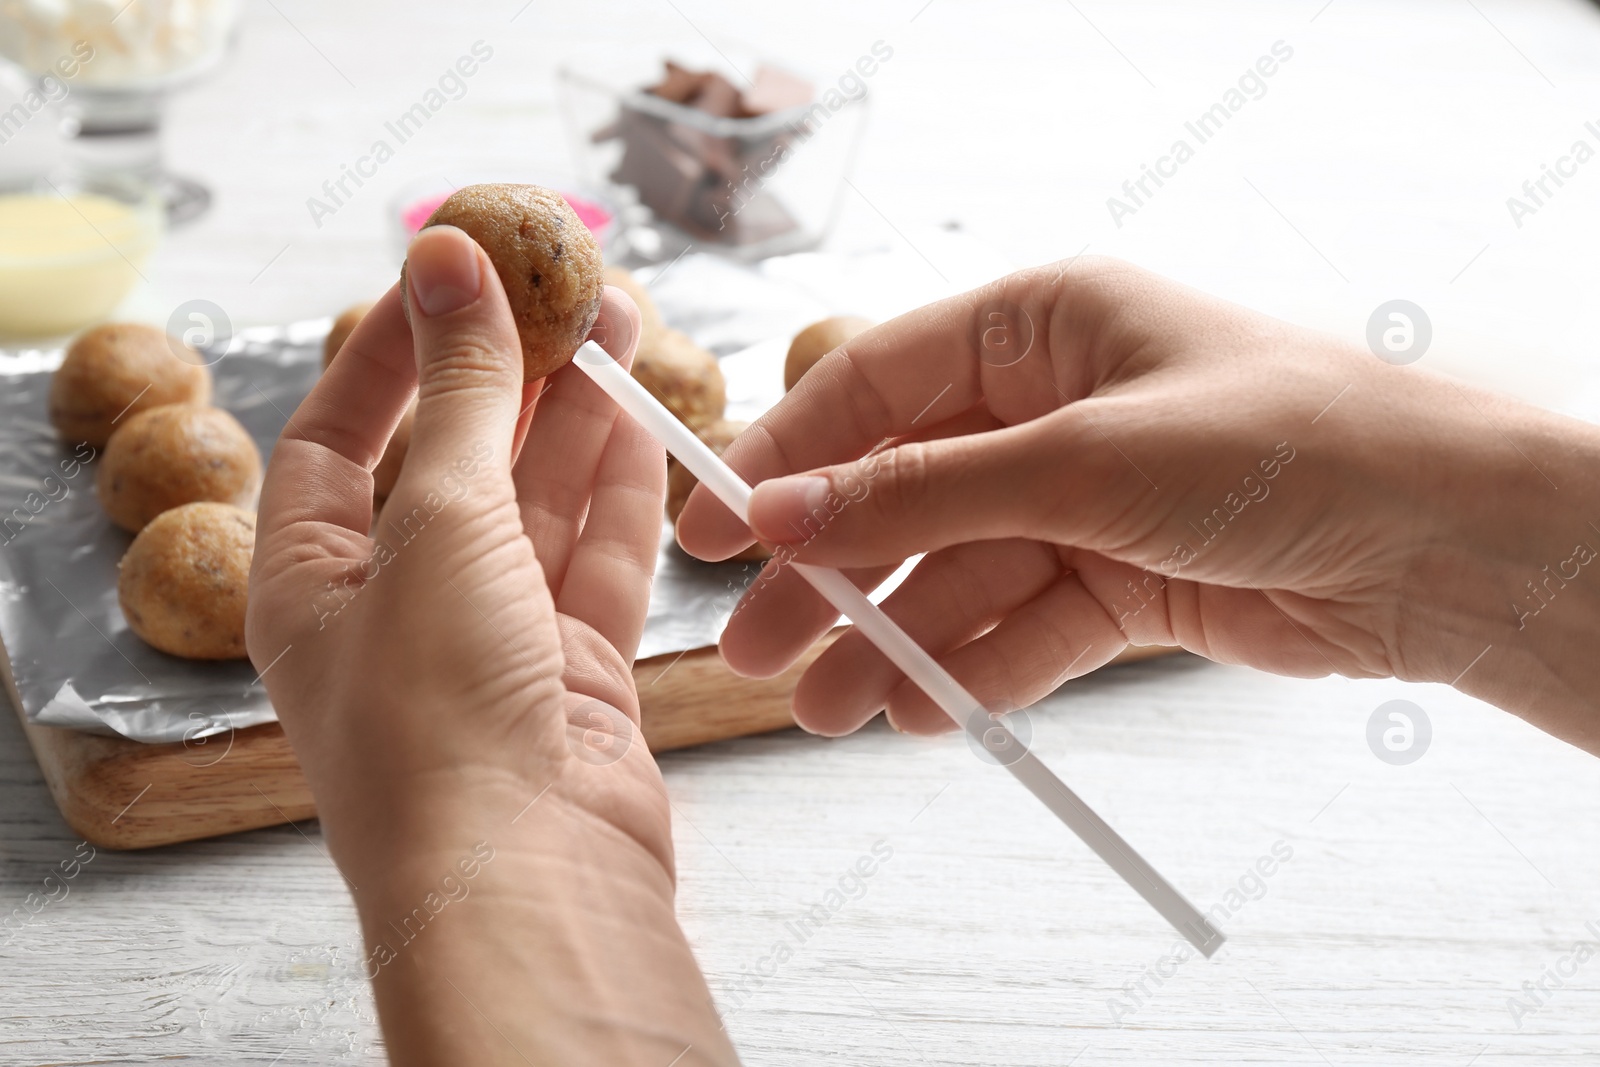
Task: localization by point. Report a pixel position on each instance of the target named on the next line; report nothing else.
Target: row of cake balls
(175, 471)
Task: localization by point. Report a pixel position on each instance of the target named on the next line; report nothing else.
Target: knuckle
(864, 402)
(1067, 272)
(1094, 284)
(902, 480)
(467, 361)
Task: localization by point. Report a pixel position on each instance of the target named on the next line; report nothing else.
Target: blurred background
(1376, 163)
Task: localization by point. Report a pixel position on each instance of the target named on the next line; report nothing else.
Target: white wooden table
(1418, 899)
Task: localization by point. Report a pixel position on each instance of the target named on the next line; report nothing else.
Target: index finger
(909, 373)
(320, 470)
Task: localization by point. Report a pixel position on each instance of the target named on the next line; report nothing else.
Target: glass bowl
(749, 187)
(70, 250)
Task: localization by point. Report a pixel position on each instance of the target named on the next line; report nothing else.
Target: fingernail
(786, 510)
(442, 270)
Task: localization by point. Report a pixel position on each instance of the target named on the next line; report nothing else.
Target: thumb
(923, 496)
(469, 359)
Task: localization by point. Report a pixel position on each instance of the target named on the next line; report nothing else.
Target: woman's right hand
(1092, 456)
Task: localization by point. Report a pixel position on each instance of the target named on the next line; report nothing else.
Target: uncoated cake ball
(683, 376)
(176, 454)
(816, 341)
(183, 581)
(547, 260)
(116, 370)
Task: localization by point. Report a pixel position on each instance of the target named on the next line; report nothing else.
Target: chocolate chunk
(776, 90)
(717, 96)
(680, 85)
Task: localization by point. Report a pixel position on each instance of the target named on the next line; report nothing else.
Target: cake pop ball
(118, 369)
(548, 262)
(183, 581)
(176, 454)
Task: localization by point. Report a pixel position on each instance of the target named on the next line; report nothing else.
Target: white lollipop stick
(986, 730)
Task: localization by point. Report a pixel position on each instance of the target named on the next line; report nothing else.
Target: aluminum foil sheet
(76, 663)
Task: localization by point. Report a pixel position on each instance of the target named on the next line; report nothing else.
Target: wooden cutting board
(121, 794)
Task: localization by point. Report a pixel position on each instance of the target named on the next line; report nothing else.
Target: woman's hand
(1092, 456)
(456, 682)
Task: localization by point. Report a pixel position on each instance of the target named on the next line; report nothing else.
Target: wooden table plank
(122, 794)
